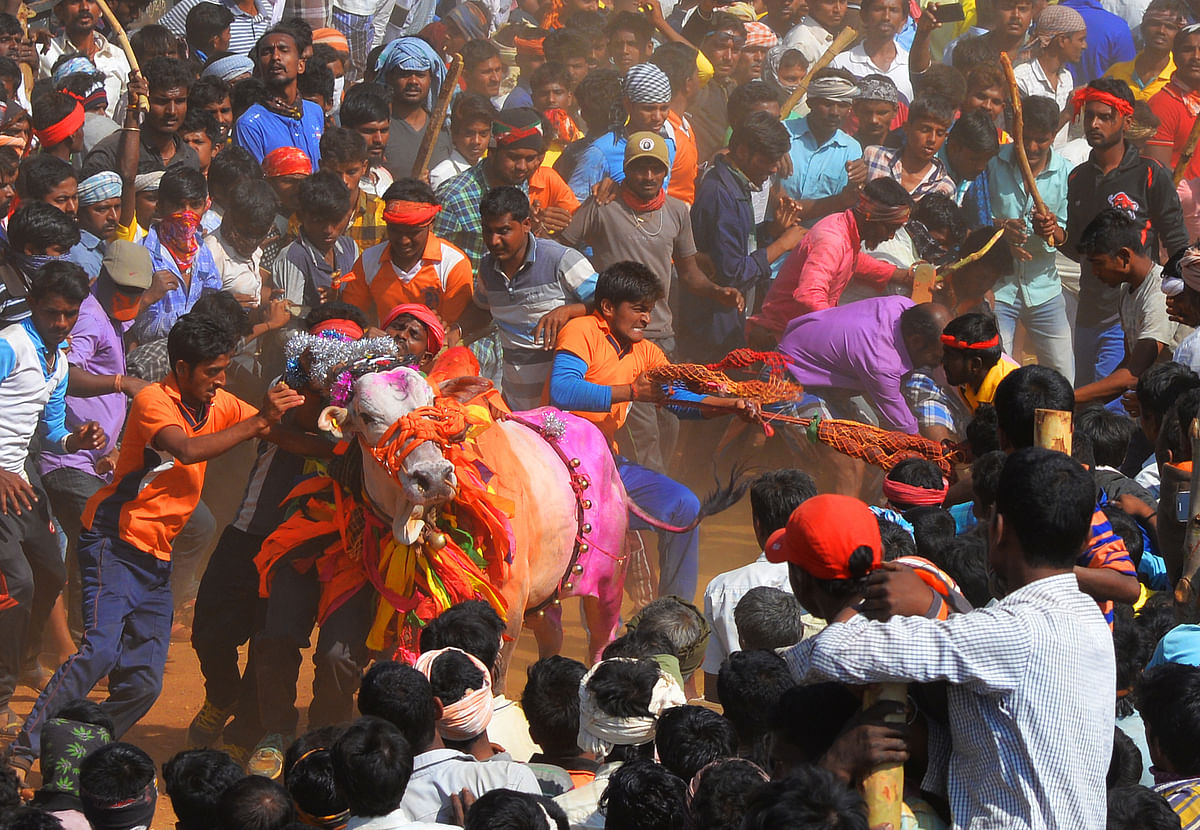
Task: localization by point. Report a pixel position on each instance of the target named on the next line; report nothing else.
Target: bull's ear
(333, 420)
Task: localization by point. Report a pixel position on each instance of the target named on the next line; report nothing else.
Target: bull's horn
(333, 419)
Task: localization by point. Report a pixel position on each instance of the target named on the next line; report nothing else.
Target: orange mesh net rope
(441, 423)
(865, 442)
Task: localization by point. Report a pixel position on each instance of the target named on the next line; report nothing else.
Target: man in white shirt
(79, 19)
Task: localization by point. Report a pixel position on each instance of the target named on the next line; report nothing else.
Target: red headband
(1088, 93)
(60, 132)
(287, 161)
(530, 46)
(900, 493)
(338, 325)
(416, 214)
(433, 326)
(954, 343)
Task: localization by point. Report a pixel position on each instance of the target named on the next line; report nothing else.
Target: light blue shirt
(156, 321)
(1036, 280)
(33, 397)
(88, 253)
(818, 170)
(606, 157)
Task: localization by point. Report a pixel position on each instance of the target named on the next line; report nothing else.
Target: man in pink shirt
(817, 272)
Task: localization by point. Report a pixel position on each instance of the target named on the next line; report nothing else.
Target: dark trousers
(69, 490)
(127, 613)
(338, 661)
(33, 574)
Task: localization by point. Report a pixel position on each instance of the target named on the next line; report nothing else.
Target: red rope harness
(442, 423)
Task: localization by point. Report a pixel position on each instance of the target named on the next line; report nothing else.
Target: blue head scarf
(411, 54)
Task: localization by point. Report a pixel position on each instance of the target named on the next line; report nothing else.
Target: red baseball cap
(822, 533)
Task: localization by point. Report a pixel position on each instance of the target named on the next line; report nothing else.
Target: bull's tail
(724, 496)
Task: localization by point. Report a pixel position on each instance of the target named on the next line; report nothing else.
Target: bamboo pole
(1052, 430)
(883, 788)
(1185, 588)
(143, 103)
(1019, 136)
(437, 119)
(1189, 149)
(840, 43)
(969, 258)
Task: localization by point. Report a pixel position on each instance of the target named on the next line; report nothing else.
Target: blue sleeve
(588, 172)
(8, 359)
(716, 219)
(687, 413)
(153, 323)
(587, 289)
(54, 418)
(249, 138)
(570, 392)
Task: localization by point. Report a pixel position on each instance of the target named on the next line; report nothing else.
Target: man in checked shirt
(1030, 726)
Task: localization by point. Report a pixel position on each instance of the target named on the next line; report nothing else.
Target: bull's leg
(512, 634)
(546, 626)
(603, 615)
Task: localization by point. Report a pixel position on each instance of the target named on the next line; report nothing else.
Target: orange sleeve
(459, 288)
(557, 192)
(576, 338)
(653, 356)
(355, 290)
(230, 409)
(1162, 105)
(151, 411)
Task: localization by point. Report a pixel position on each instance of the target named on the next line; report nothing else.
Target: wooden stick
(437, 118)
(1185, 588)
(143, 103)
(967, 260)
(1189, 149)
(1052, 430)
(883, 788)
(1019, 136)
(840, 44)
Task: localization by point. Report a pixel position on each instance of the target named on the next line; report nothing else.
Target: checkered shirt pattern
(934, 406)
(883, 162)
(458, 221)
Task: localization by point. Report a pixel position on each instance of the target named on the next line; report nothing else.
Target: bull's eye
(368, 419)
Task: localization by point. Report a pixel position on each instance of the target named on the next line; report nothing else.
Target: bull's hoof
(267, 760)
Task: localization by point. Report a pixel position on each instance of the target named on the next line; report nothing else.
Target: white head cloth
(470, 715)
(600, 732)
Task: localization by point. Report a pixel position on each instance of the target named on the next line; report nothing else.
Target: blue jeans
(1098, 352)
(670, 502)
(127, 613)
(1049, 332)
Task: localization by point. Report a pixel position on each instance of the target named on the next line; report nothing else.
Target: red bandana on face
(179, 234)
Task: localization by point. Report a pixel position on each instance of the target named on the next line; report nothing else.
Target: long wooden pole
(883, 788)
(1052, 430)
(840, 43)
(143, 103)
(1189, 150)
(1018, 126)
(436, 119)
(1185, 588)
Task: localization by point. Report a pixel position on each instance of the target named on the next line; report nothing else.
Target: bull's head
(425, 477)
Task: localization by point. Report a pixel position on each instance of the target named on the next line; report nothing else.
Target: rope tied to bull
(444, 422)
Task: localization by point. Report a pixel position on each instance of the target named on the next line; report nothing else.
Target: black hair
(412, 190)
(1177, 425)
(810, 797)
(475, 52)
(308, 774)
(253, 206)
(453, 674)
(82, 710)
(985, 477)
(472, 626)
(636, 646)
(504, 201)
(38, 225)
(1041, 114)
(335, 309)
(40, 174)
(1133, 648)
(163, 73)
(402, 696)
(792, 720)
(1125, 766)
(551, 702)
(636, 24)
(151, 42)
(723, 792)
(199, 121)
(549, 73)
(1110, 433)
(761, 134)
(206, 21)
(919, 320)
(998, 260)
(768, 618)
(643, 795)
(10, 25)
(750, 685)
(891, 193)
(10, 69)
(29, 818)
(744, 98)
(964, 558)
(932, 526)
(78, 84)
(324, 197)
(1112, 230)
(503, 809)
(255, 803)
(627, 282)
(59, 278)
(225, 309)
(10, 162)
(562, 44)
(246, 93)
(295, 28)
(918, 472)
(725, 22)
(115, 772)
(1024, 391)
(679, 622)
(232, 165)
(942, 80)
(1047, 499)
(1161, 384)
(364, 104)
(689, 737)
(983, 431)
(182, 184)
(195, 779)
(372, 763)
(599, 97)
(975, 132)
(623, 689)
(1136, 807)
(207, 91)
(326, 55)
(776, 493)
(471, 108)
(51, 108)
(1172, 6)
(196, 338)
(677, 61)
(1115, 87)
(976, 327)
(340, 145)
(1169, 700)
(316, 79)
(896, 540)
(933, 108)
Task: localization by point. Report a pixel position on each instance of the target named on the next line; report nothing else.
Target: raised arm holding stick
(436, 119)
(840, 44)
(1018, 130)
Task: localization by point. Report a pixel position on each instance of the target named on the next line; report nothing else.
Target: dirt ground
(726, 541)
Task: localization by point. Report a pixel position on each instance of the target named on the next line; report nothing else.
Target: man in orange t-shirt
(413, 265)
(174, 427)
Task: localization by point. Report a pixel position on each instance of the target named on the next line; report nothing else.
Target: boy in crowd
(236, 247)
(470, 130)
(915, 164)
(345, 152)
(202, 133)
(211, 94)
(973, 358)
(1114, 245)
(49, 179)
(551, 92)
(306, 271)
(37, 234)
(207, 29)
(366, 111)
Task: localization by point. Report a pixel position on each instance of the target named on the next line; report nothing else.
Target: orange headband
(954, 343)
(403, 212)
(60, 132)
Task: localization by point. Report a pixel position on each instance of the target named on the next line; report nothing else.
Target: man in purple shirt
(866, 348)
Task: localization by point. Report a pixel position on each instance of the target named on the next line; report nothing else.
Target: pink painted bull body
(570, 507)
